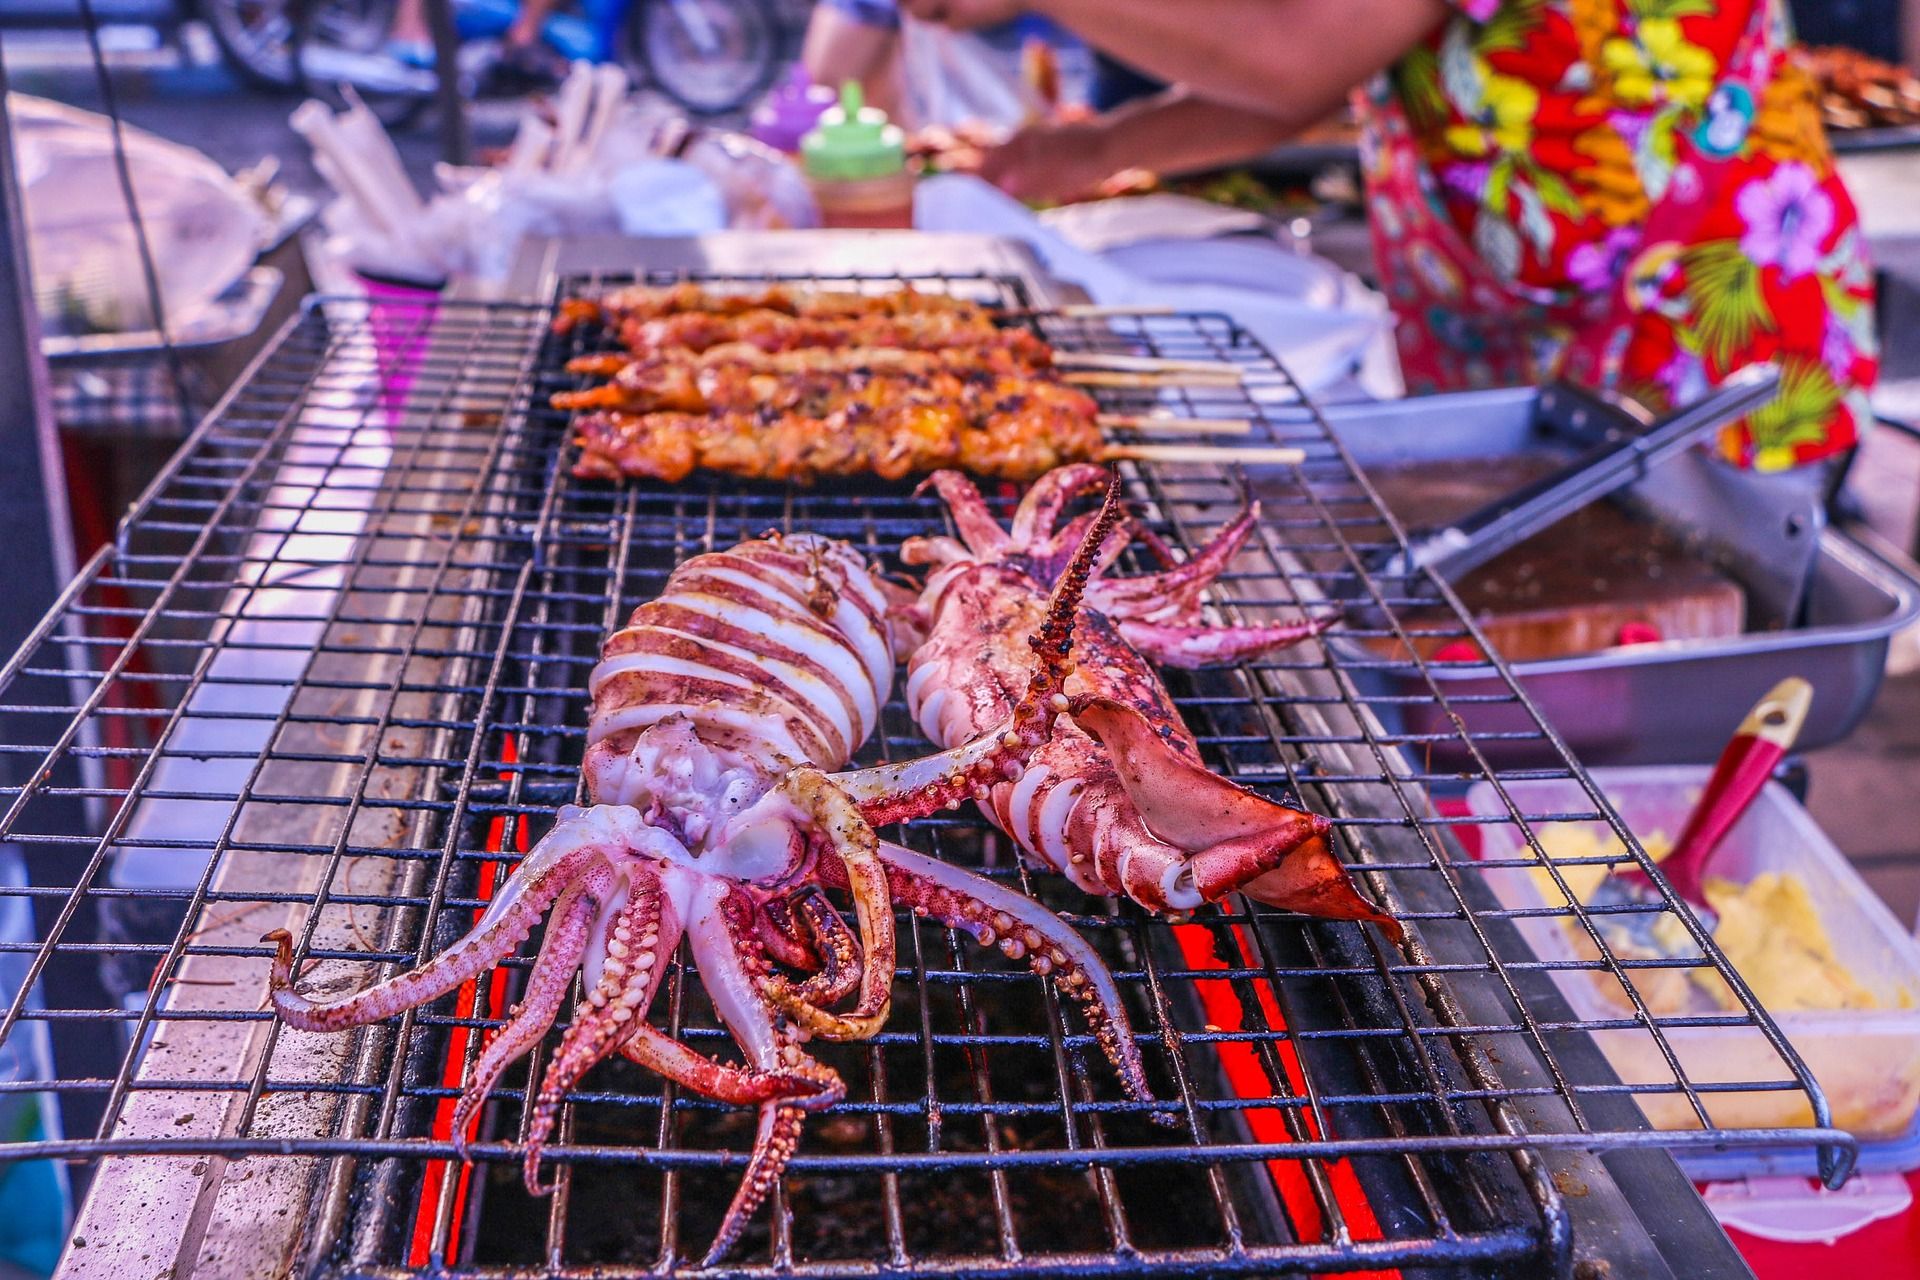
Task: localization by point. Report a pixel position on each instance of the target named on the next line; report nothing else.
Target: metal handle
(1470, 542)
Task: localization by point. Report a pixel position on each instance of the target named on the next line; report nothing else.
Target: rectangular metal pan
(1666, 703)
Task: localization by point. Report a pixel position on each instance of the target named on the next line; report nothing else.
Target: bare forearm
(1292, 60)
(1175, 132)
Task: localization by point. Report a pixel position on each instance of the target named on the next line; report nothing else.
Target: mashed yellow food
(1768, 928)
(1772, 934)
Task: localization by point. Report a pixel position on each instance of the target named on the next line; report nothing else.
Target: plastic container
(1866, 1060)
(856, 163)
(790, 112)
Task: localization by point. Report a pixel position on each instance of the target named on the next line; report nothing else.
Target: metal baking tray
(1665, 703)
(1885, 137)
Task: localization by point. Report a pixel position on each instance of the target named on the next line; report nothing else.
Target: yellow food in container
(1768, 928)
(1823, 955)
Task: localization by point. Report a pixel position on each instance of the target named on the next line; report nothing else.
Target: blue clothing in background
(1115, 84)
(1008, 36)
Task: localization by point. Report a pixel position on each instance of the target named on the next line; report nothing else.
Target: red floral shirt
(1634, 194)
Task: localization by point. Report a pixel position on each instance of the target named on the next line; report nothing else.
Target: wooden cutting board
(1574, 588)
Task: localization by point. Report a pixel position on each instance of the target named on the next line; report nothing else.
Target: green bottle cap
(853, 141)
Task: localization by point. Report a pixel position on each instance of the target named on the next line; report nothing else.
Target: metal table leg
(455, 143)
(33, 502)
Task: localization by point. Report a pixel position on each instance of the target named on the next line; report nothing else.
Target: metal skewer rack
(331, 677)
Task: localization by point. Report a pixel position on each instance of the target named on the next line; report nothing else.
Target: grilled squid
(1118, 799)
(718, 712)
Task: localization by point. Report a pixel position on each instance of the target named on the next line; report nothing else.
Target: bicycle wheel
(710, 56)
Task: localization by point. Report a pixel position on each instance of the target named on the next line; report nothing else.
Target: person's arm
(840, 47)
(1293, 60)
(1170, 132)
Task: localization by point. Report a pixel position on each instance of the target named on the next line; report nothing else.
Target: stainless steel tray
(1667, 703)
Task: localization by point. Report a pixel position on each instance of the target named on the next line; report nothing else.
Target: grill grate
(342, 646)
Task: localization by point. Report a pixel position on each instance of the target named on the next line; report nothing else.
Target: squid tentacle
(993, 914)
(735, 973)
(899, 793)
(631, 973)
(1057, 553)
(1180, 585)
(1196, 647)
(774, 1142)
(935, 551)
(833, 948)
(978, 529)
(464, 960)
(839, 822)
(786, 936)
(809, 1087)
(1034, 518)
(568, 933)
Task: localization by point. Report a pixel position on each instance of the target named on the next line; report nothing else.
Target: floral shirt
(1633, 194)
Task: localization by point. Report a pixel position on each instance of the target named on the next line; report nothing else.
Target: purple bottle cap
(788, 113)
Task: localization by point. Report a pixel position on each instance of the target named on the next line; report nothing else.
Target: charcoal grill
(330, 676)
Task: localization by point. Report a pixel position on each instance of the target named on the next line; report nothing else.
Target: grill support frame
(532, 539)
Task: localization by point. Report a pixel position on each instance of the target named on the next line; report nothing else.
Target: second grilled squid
(1118, 800)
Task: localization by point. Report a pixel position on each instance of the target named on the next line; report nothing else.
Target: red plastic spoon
(1760, 742)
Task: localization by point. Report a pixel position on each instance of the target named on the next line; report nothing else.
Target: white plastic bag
(607, 165)
(666, 198)
(763, 189)
(956, 77)
(204, 230)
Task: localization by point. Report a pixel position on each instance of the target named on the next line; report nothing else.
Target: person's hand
(1050, 161)
(964, 15)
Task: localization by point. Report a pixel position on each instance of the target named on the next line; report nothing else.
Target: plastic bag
(762, 188)
(957, 77)
(204, 229)
(605, 165)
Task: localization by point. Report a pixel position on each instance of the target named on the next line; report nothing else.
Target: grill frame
(511, 547)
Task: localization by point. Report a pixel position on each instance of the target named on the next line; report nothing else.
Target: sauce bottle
(856, 163)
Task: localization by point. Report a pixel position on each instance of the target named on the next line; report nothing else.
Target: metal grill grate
(342, 646)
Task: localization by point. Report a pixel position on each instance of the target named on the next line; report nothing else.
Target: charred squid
(1117, 800)
(716, 713)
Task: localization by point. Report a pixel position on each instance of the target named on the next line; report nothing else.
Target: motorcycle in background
(709, 56)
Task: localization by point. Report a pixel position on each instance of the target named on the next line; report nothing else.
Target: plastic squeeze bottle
(790, 112)
(856, 163)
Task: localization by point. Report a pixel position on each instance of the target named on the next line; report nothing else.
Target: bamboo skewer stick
(1168, 422)
(1275, 455)
(1150, 381)
(1087, 311)
(1141, 364)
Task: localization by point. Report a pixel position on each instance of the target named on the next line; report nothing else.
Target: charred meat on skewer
(665, 419)
(642, 302)
(837, 385)
(776, 331)
(1022, 437)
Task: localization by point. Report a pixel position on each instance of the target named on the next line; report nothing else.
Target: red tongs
(1760, 742)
